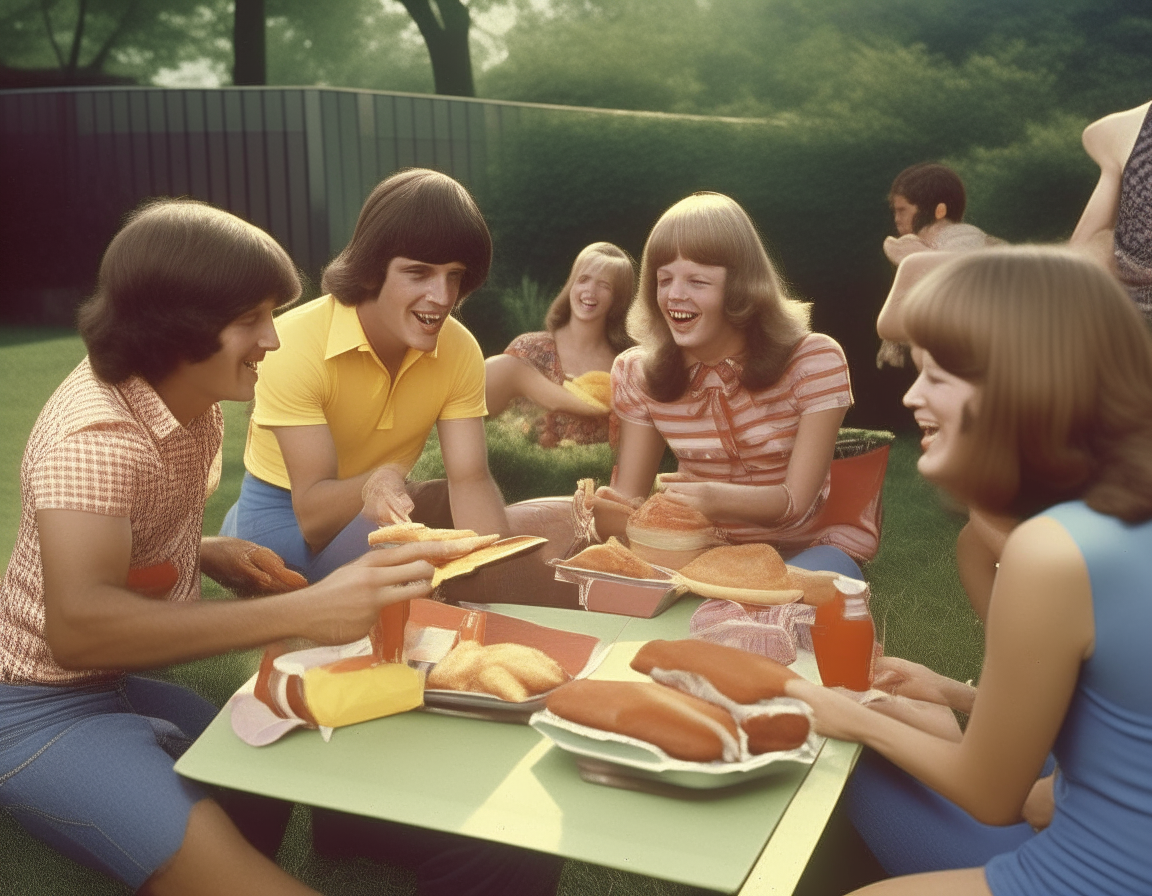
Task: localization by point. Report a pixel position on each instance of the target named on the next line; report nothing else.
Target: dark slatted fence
(297, 162)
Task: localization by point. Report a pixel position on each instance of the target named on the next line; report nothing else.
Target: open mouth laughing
(682, 317)
(429, 319)
(929, 431)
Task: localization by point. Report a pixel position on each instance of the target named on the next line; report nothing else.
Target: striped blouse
(721, 431)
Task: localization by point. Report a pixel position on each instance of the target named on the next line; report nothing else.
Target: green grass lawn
(916, 595)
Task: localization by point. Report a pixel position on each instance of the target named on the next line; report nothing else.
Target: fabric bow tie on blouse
(714, 385)
(724, 377)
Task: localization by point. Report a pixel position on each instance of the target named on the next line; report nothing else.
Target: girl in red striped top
(727, 373)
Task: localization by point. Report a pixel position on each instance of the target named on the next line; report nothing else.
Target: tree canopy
(916, 64)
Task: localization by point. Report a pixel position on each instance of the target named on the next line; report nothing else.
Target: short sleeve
(629, 399)
(291, 389)
(818, 375)
(539, 350)
(93, 470)
(466, 399)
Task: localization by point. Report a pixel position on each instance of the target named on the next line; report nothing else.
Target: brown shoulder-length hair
(174, 276)
(615, 265)
(419, 214)
(1064, 362)
(712, 229)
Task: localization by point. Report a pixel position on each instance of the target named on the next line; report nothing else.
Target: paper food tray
(605, 592)
(628, 759)
(577, 653)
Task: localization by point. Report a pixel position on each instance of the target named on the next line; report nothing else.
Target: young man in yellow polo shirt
(343, 411)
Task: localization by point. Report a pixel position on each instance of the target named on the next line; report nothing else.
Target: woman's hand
(727, 501)
(1040, 805)
(246, 568)
(706, 497)
(916, 682)
(386, 499)
(837, 715)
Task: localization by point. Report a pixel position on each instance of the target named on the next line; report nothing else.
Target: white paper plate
(617, 760)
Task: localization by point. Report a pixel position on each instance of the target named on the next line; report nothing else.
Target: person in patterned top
(105, 575)
(1116, 225)
(584, 331)
(728, 374)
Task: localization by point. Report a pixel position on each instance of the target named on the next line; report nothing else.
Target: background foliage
(820, 105)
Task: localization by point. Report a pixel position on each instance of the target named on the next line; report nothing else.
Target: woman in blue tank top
(1035, 400)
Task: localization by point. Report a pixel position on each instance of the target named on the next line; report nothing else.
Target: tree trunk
(447, 43)
(248, 65)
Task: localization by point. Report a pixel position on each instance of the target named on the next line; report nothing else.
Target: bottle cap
(849, 586)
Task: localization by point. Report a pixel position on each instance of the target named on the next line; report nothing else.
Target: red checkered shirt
(117, 451)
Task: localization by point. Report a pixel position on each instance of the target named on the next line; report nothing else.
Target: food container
(604, 757)
(604, 592)
(434, 628)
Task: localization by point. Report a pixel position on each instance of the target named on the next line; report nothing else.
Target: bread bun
(612, 557)
(402, 533)
(776, 732)
(513, 672)
(750, 681)
(683, 726)
(668, 532)
(753, 566)
(740, 676)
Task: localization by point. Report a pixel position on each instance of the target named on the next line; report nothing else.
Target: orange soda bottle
(388, 633)
(842, 637)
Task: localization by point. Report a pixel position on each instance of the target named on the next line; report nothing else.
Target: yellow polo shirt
(326, 372)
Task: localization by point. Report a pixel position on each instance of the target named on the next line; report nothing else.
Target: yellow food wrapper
(338, 698)
(322, 688)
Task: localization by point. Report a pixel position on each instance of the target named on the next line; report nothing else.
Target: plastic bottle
(842, 637)
(388, 633)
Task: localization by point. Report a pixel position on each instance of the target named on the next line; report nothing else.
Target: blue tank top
(1100, 839)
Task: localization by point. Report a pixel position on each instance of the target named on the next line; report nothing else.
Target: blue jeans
(911, 829)
(263, 514)
(88, 769)
(825, 557)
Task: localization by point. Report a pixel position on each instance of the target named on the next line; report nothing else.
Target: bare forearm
(325, 508)
(120, 630)
(477, 504)
(763, 505)
(951, 768)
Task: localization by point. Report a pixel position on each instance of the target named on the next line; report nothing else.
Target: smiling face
(903, 214)
(230, 373)
(412, 305)
(591, 295)
(944, 406)
(691, 299)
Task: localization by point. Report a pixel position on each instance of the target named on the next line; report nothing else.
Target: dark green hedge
(817, 190)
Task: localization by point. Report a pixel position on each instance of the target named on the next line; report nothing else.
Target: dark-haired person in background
(363, 374)
(105, 574)
(928, 202)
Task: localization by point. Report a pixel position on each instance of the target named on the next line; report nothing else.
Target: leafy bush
(522, 468)
(815, 185)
